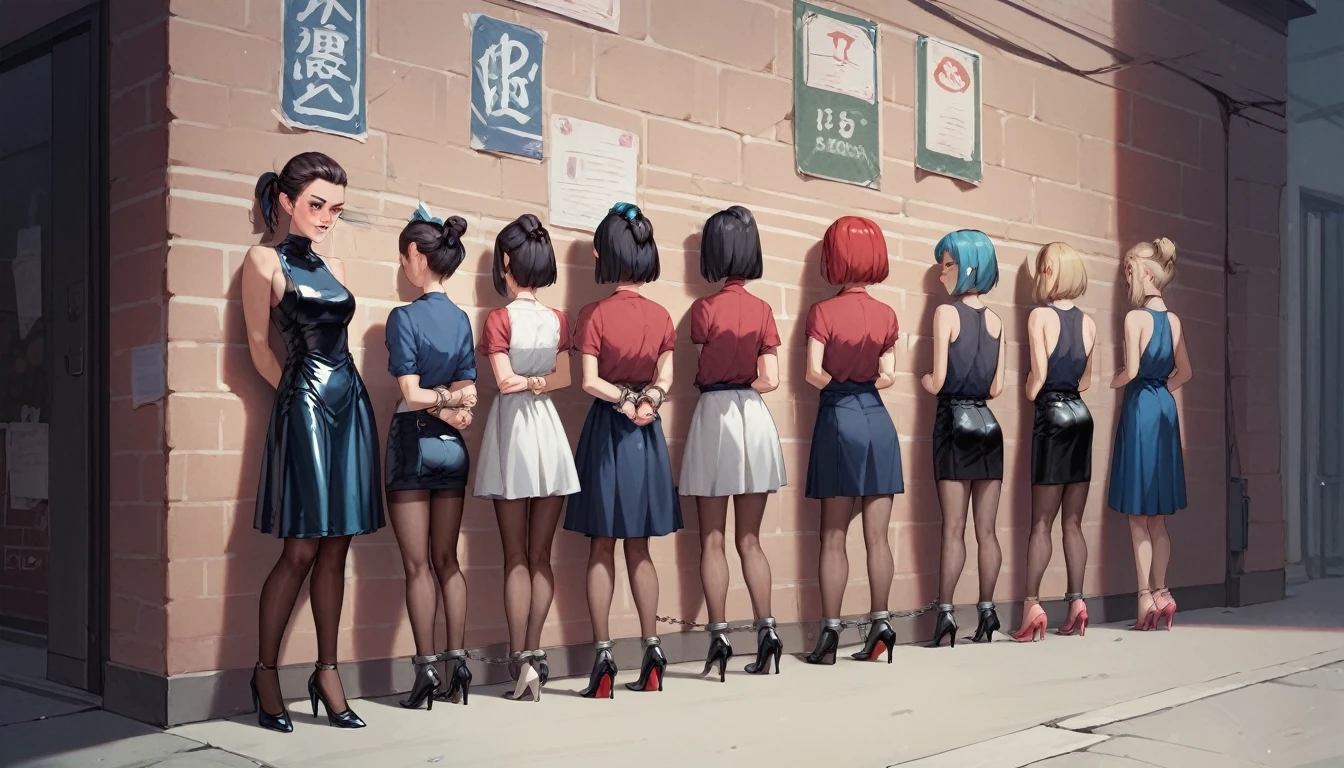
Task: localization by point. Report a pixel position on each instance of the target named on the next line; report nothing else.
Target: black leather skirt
(967, 440)
(1061, 440)
(425, 454)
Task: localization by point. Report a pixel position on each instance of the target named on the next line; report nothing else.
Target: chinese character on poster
(322, 79)
(505, 88)
(605, 14)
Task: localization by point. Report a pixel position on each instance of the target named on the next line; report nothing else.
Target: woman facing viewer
(429, 351)
(525, 465)
(1061, 338)
(625, 476)
(1147, 466)
(968, 360)
(319, 470)
(733, 450)
(855, 455)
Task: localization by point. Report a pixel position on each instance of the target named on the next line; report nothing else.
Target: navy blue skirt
(425, 454)
(855, 451)
(626, 489)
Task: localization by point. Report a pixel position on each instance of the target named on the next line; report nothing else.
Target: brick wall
(1134, 154)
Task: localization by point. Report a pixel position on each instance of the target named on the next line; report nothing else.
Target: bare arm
(509, 382)
(943, 318)
(1089, 329)
(1133, 350)
(996, 386)
(816, 375)
(337, 267)
(594, 384)
(418, 398)
(1183, 373)
(560, 378)
(1040, 358)
(259, 267)
(886, 369)
(767, 373)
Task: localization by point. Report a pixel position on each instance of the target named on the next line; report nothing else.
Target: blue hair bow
(422, 214)
(628, 210)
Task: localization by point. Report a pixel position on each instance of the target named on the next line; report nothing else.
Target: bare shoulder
(993, 324)
(1175, 325)
(946, 314)
(262, 258)
(1138, 318)
(1038, 317)
(1089, 326)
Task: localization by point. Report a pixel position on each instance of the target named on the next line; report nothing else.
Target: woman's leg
(881, 566)
(834, 570)
(545, 517)
(748, 511)
(713, 511)
(409, 511)
(1157, 533)
(1045, 501)
(953, 496)
(511, 515)
(278, 596)
(1075, 546)
(601, 584)
(327, 593)
(985, 502)
(643, 583)
(1143, 562)
(445, 521)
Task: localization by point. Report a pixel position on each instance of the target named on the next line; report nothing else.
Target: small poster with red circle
(947, 114)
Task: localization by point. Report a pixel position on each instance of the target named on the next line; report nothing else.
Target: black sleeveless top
(1069, 359)
(972, 357)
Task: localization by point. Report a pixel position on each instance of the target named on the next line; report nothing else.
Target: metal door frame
(90, 547)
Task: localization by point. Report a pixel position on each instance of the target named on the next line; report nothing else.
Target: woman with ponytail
(1147, 466)
(431, 354)
(625, 477)
(319, 473)
(525, 465)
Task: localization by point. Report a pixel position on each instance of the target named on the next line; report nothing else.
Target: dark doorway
(53, 583)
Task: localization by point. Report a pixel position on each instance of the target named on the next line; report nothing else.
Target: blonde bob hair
(1068, 276)
(1158, 259)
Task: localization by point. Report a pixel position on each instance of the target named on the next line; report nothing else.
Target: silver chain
(496, 661)
(861, 624)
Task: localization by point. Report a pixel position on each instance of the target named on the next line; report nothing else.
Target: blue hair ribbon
(422, 214)
(629, 211)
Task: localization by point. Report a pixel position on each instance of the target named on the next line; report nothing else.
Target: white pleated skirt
(732, 448)
(524, 452)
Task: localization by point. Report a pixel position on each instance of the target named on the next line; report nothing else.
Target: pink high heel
(1168, 610)
(1148, 621)
(1077, 619)
(1033, 628)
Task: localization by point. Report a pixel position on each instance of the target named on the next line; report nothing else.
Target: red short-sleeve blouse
(856, 330)
(734, 328)
(627, 333)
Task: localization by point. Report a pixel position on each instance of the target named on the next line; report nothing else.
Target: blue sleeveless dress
(320, 473)
(1147, 468)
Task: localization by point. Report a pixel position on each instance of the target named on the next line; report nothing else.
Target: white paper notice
(605, 14)
(949, 114)
(26, 456)
(593, 167)
(147, 377)
(840, 58)
(28, 278)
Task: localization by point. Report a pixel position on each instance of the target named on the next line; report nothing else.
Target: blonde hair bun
(1165, 251)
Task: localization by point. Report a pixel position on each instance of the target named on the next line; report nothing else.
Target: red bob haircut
(854, 250)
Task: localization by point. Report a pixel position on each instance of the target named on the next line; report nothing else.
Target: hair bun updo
(453, 230)
(1164, 251)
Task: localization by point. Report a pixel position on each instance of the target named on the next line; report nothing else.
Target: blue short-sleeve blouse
(431, 337)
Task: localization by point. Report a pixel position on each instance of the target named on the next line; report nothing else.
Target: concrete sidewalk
(1103, 701)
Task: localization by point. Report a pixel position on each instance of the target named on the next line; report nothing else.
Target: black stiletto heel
(280, 722)
(346, 719)
(602, 681)
(426, 683)
(988, 625)
(651, 671)
(946, 626)
(767, 645)
(826, 644)
(459, 679)
(880, 636)
(720, 650)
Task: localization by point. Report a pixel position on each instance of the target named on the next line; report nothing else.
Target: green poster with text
(835, 96)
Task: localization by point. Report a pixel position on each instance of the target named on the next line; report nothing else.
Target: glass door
(1323, 526)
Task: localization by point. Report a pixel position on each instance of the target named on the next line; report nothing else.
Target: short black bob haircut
(440, 242)
(730, 246)
(626, 252)
(531, 257)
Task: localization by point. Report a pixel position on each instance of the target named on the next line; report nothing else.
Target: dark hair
(441, 243)
(531, 257)
(626, 252)
(730, 246)
(298, 173)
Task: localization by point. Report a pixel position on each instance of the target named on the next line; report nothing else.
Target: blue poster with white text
(322, 79)
(505, 88)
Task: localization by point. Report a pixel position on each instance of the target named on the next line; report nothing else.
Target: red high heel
(1033, 629)
(1148, 621)
(1077, 620)
(1167, 611)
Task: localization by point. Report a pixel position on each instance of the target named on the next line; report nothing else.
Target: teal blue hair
(970, 248)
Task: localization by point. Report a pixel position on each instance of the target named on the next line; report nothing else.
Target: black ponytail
(626, 251)
(301, 170)
(531, 256)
